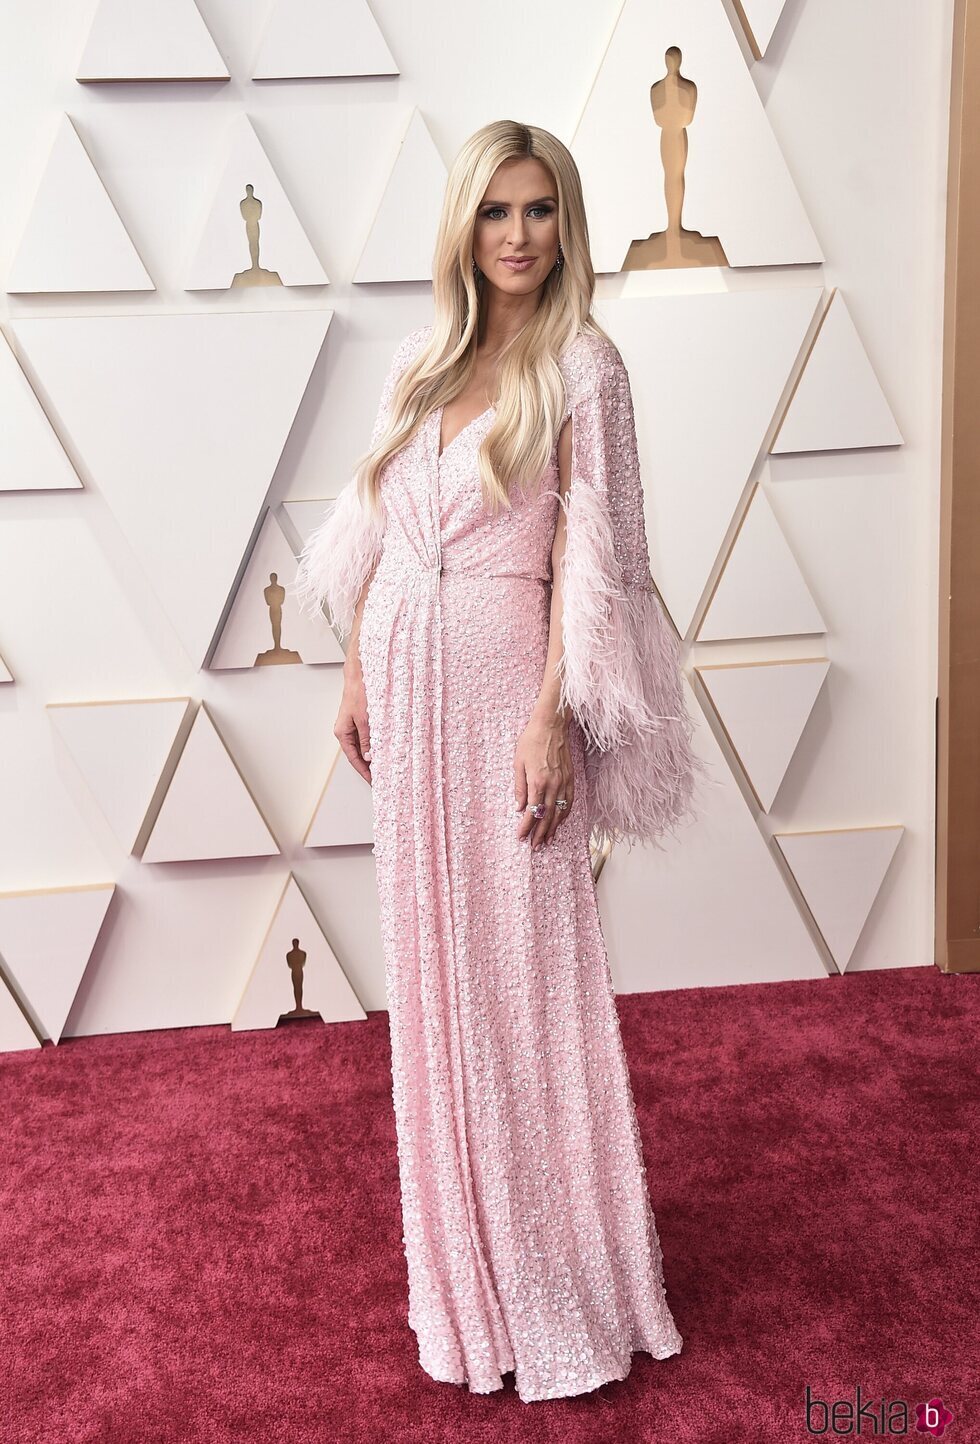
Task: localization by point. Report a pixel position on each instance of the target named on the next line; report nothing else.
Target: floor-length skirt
(527, 1226)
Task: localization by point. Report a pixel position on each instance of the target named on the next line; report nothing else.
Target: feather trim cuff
(620, 675)
(337, 559)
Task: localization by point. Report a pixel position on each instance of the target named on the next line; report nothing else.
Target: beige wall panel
(31, 456)
(761, 591)
(764, 708)
(344, 815)
(840, 873)
(296, 972)
(209, 811)
(121, 749)
(181, 421)
(402, 238)
(147, 40)
(305, 38)
(74, 239)
(738, 193)
(838, 401)
(261, 604)
(249, 207)
(46, 939)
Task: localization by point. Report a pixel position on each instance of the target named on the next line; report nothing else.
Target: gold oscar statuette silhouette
(673, 100)
(251, 209)
(296, 961)
(277, 655)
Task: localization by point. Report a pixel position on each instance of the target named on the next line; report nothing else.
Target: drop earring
(561, 258)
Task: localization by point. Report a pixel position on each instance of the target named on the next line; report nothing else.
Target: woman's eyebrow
(529, 203)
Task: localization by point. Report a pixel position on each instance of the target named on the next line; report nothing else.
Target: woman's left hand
(543, 773)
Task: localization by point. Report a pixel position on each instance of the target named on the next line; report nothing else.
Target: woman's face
(518, 216)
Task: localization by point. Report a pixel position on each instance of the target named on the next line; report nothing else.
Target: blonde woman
(510, 685)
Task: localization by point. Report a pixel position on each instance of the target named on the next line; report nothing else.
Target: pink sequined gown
(528, 1231)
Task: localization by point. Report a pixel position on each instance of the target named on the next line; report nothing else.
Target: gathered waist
(413, 571)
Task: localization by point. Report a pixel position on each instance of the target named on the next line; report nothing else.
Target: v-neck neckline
(450, 444)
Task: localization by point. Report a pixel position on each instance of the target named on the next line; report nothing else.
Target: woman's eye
(495, 211)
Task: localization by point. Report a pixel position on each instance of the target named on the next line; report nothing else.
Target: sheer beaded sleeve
(340, 554)
(620, 669)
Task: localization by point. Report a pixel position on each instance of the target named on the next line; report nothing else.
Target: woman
(510, 683)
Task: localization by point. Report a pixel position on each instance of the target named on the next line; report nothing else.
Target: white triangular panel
(16, 1033)
(303, 516)
(306, 39)
(402, 238)
(31, 456)
(74, 239)
(46, 939)
(181, 421)
(269, 991)
(121, 749)
(692, 915)
(838, 402)
(693, 474)
(761, 592)
(761, 18)
(840, 873)
(145, 40)
(208, 811)
(247, 635)
(344, 815)
(222, 252)
(737, 187)
(5, 673)
(764, 707)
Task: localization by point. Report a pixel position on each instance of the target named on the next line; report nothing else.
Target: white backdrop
(857, 102)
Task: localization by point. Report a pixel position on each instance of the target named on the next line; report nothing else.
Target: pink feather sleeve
(341, 553)
(620, 667)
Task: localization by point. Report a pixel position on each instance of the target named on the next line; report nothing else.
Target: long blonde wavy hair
(531, 392)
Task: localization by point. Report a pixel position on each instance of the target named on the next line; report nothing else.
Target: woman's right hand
(351, 727)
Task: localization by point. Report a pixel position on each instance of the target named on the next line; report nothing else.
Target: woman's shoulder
(409, 347)
(588, 364)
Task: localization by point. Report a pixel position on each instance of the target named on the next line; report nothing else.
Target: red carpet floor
(201, 1241)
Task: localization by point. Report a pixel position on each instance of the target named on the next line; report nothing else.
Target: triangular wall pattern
(738, 191)
(306, 39)
(5, 673)
(761, 18)
(715, 889)
(46, 940)
(222, 257)
(840, 872)
(402, 238)
(344, 815)
(764, 707)
(697, 369)
(323, 986)
(74, 239)
(144, 40)
(121, 749)
(16, 1033)
(761, 592)
(181, 421)
(247, 639)
(838, 402)
(31, 456)
(303, 516)
(208, 811)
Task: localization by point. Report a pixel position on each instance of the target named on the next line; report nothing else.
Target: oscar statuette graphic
(673, 101)
(277, 655)
(296, 961)
(256, 275)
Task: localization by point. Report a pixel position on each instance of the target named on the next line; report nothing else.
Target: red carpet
(201, 1238)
